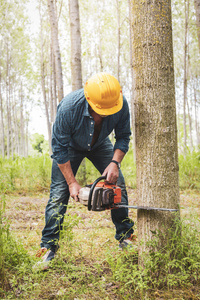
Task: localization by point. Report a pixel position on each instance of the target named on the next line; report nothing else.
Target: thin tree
(56, 48)
(185, 83)
(2, 122)
(197, 9)
(195, 87)
(42, 65)
(118, 38)
(155, 116)
(22, 122)
(76, 67)
(132, 84)
(8, 100)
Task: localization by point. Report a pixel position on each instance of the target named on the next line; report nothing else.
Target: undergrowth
(33, 174)
(175, 266)
(13, 256)
(23, 175)
(106, 274)
(189, 170)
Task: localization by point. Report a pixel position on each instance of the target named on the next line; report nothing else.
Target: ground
(88, 235)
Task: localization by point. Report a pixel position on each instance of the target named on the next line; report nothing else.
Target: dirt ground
(93, 233)
(26, 215)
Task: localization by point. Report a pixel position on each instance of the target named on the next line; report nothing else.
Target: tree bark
(196, 111)
(54, 85)
(11, 117)
(190, 127)
(76, 65)
(76, 68)
(22, 122)
(2, 122)
(132, 84)
(185, 75)
(43, 84)
(155, 117)
(16, 127)
(56, 48)
(118, 39)
(8, 104)
(197, 9)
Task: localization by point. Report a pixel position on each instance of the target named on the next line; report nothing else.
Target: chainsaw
(100, 196)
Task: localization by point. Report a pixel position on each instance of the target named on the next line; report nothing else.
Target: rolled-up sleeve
(61, 135)
(122, 129)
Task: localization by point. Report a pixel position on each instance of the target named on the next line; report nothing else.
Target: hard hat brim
(108, 111)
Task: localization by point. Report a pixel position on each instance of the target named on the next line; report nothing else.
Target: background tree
(186, 60)
(197, 9)
(76, 67)
(56, 47)
(16, 78)
(102, 35)
(45, 87)
(155, 116)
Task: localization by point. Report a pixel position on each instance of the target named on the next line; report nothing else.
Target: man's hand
(74, 190)
(111, 173)
(67, 172)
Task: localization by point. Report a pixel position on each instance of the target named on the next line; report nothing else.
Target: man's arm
(67, 172)
(112, 171)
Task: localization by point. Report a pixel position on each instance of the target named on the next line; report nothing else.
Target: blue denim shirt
(74, 127)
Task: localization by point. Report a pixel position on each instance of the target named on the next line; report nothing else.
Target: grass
(189, 170)
(88, 264)
(26, 175)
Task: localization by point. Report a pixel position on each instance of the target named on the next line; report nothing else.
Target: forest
(50, 48)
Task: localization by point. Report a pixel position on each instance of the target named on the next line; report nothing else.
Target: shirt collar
(86, 109)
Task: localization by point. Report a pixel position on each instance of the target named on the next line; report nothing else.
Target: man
(84, 120)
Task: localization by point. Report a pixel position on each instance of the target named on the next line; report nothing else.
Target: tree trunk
(43, 84)
(132, 85)
(185, 75)
(197, 9)
(56, 48)
(76, 68)
(22, 123)
(52, 118)
(118, 39)
(26, 152)
(99, 45)
(190, 127)
(196, 111)
(8, 105)
(16, 127)
(54, 85)
(155, 117)
(11, 118)
(2, 122)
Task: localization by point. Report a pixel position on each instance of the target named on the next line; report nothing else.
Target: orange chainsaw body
(116, 190)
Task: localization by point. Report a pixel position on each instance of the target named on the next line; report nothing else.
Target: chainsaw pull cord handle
(92, 189)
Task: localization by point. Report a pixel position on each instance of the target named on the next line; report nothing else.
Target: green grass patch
(189, 170)
(85, 267)
(176, 266)
(31, 174)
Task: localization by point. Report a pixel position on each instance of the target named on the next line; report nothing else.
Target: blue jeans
(59, 196)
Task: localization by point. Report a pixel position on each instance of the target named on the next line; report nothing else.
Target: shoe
(127, 243)
(46, 259)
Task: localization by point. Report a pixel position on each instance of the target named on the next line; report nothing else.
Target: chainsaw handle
(92, 189)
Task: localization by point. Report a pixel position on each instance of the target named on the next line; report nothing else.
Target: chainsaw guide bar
(102, 196)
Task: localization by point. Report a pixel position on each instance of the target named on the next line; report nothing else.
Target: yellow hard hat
(104, 94)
